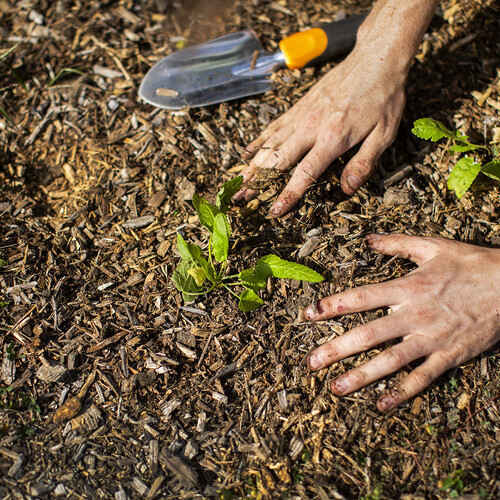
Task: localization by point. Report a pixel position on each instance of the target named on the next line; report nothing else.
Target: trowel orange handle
(318, 45)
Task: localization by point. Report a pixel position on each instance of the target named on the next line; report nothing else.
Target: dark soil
(111, 386)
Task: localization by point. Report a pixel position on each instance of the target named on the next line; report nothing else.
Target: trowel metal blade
(207, 73)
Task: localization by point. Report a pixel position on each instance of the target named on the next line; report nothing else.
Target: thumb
(362, 164)
(357, 172)
(415, 248)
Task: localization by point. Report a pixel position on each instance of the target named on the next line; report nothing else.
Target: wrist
(393, 31)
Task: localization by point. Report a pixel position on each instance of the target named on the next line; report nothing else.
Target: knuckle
(394, 358)
(336, 127)
(359, 297)
(447, 359)
(423, 315)
(312, 120)
(250, 149)
(400, 239)
(359, 376)
(306, 168)
(364, 165)
(367, 336)
(272, 143)
(280, 156)
(422, 377)
(420, 283)
(272, 128)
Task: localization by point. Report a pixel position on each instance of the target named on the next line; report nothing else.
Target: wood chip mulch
(110, 385)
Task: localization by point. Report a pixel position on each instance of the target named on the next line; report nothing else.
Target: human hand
(360, 100)
(447, 311)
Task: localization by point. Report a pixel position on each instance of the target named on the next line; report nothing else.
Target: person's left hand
(359, 101)
(447, 311)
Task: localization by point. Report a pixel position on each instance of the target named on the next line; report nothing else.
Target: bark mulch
(111, 386)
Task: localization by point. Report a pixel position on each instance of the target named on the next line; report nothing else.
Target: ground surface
(111, 386)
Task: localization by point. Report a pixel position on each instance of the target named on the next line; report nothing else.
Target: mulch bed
(111, 386)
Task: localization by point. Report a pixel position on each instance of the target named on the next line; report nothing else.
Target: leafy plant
(306, 455)
(453, 484)
(467, 168)
(11, 353)
(21, 401)
(297, 477)
(198, 275)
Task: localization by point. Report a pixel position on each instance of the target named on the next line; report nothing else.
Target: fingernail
(386, 403)
(341, 385)
(309, 312)
(275, 211)
(316, 361)
(354, 182)
(372, 239)
(240, 195)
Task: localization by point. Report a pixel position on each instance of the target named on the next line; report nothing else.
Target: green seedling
(453, 484)
(65, 72)
(481, 159)
(198, 275)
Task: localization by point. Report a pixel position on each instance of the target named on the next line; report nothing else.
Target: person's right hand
(360, 100)
(446, 312)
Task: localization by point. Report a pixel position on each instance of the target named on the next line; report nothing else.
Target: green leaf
(433, 130)
(198, 273)
(183, 248)
(255, 279)
(229, 189)
(463, 175)
(194, 254)
(281, 268)
(492, 169)
(249, 301)
(197, 255)
(220, 237)
(184, 282)
(463, 147)
(206, 211)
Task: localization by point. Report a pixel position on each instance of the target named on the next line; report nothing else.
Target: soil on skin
(111, 386)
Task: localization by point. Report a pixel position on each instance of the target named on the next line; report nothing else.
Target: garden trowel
(236, 65)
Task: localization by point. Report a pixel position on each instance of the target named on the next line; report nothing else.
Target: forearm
(394, 29)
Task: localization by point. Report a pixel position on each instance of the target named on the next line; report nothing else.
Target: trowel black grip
(319, 45)
(341, 38)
